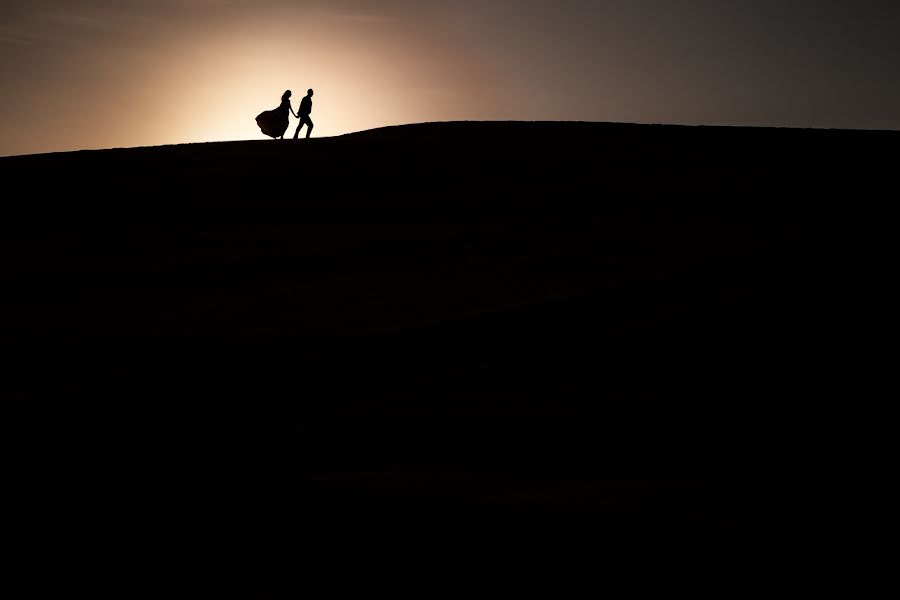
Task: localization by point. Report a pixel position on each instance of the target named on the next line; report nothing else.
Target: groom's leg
(297, 133)
(309, 127)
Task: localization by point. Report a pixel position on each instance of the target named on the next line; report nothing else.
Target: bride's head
(286, 95)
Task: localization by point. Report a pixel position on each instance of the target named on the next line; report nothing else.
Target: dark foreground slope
(489, 333)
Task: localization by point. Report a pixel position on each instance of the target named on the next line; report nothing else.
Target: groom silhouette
(303, 113)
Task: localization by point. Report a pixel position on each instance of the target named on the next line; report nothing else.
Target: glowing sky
(107, 73)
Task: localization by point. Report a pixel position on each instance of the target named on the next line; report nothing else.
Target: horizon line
(469, 121)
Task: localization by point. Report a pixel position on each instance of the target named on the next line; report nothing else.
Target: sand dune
(570, 327)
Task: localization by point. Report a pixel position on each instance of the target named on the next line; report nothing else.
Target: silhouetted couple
(274, 123)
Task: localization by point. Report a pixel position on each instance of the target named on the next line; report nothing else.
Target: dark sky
(100, 73)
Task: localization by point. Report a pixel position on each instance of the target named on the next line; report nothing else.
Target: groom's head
(309, 93)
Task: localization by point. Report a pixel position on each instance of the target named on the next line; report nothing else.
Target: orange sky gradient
(208, 85)
(97, 73)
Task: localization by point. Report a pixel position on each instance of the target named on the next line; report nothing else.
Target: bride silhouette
(275, 122)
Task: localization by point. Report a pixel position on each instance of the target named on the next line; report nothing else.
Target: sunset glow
(99, 73)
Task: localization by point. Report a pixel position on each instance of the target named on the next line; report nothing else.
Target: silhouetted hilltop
(530, 330)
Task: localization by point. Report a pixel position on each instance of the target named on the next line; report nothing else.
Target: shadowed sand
(626, 334)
